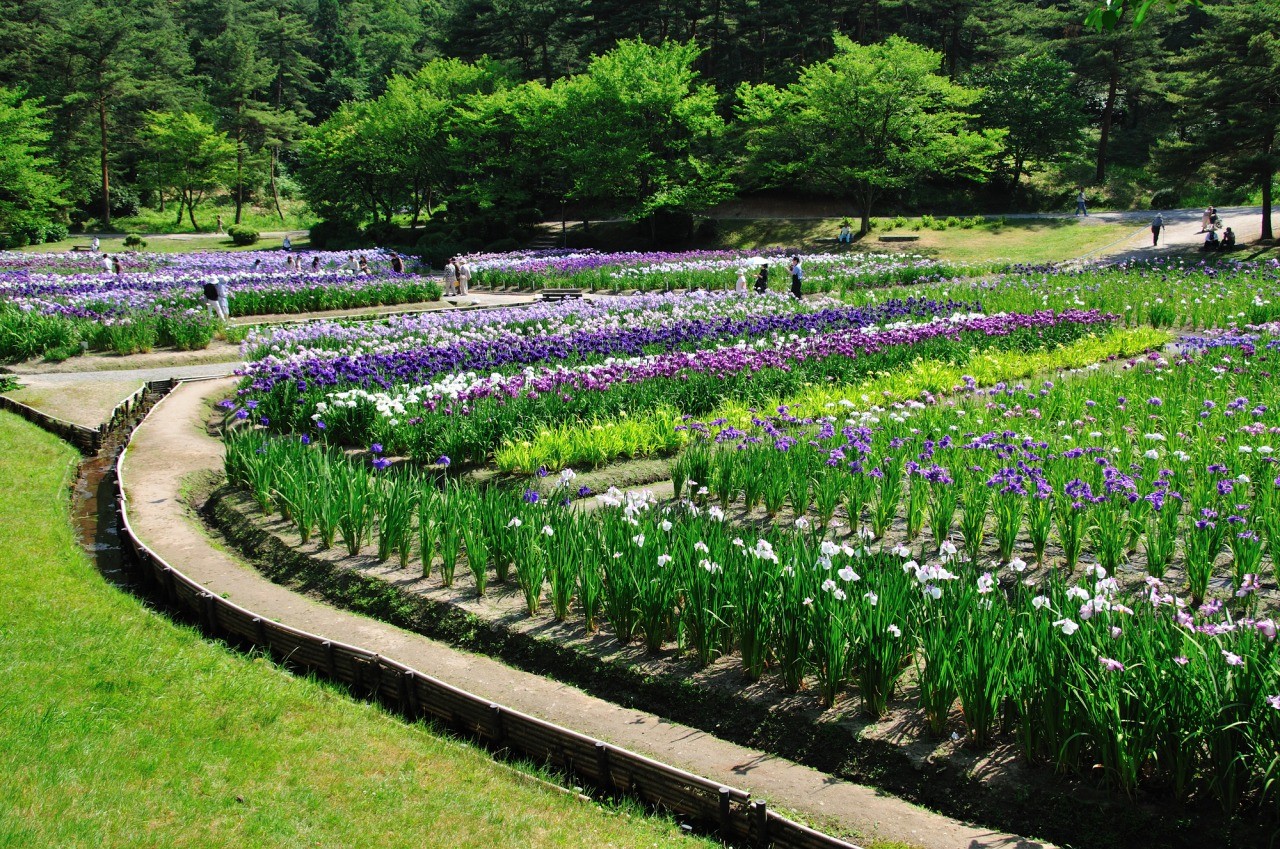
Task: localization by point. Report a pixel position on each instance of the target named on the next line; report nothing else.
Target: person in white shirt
(288, 245)
(464, 277)
(95, 245)
(741, 285)
(107, 267)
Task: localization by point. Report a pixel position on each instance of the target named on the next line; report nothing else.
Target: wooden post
(760, 821)
(726, 812)
(602, 764)
(330, 660)
(499, 725)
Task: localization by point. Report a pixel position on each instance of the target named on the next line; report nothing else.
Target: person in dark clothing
(1228, 240)
(397, 263)
(762, 279)
(1210, 241)
(797, 277)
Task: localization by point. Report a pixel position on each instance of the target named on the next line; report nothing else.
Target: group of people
(794, 267)
(1209, 224)
(457, 277)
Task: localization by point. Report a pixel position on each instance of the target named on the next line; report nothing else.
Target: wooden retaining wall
(88, 439)
(728, 810)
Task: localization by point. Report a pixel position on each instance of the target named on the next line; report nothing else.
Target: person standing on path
(762, 279)
(1157, 224)
(450, 277)
(218, 227)
(1081, 207)
(740, 285)
(464, 277)
(797, 277)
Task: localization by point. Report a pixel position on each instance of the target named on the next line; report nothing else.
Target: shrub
(56, 232)
(952, 221)
(133, 240)
(708, 230)
(529, 215)
(436, 249)
(1165, 199)
(502, 246)
(242, 235)
(385, 233)
(898, 222)
(931, 223)
(333, 235)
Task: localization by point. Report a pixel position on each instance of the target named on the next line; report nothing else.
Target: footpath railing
(731, 812)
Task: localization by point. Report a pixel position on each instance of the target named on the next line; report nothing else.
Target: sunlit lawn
(119, 728)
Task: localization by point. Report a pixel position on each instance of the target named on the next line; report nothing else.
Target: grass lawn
(1015, 240)
(261, 218)
(119, 728)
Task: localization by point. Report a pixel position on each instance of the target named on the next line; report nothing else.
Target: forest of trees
(385, 113)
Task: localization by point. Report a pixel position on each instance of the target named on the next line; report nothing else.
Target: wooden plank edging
(730, 810)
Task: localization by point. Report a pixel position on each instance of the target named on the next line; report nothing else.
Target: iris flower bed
(1161, 293)
(1080, 569)
(467, 415)
(665, 271)
(61, 314)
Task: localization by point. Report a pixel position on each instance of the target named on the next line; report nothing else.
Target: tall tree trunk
(1108, 113)
(239, 169)
(1267, 180)
(102, 154)
(191, 213)
(275, 188)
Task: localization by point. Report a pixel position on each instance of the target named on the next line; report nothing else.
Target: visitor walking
(797, 277)
(1157, 224)
(218, 228)
(450, 277)
(1081, 207)
(762, 279)
(740, 285)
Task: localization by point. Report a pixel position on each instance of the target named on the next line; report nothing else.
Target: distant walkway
(172, 444)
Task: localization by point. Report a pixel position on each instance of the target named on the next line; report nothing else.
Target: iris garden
(1034, 508)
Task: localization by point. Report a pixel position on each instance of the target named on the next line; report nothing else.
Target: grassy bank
(122, 729)
(168, 244)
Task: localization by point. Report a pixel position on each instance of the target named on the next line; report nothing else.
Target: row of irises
(1079, 671)
(709, 270)
(1165, 469)
(497, 351)
(319, 339)
(1161, 293)
(62, 315)
(467, 417)
(193, 261)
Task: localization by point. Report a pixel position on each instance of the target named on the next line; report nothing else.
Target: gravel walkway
(172, 444)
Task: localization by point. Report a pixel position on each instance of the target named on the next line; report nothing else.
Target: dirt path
(172, 444)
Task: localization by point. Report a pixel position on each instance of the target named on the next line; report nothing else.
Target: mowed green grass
(163, 244)
(1016, 240)
(120, 728)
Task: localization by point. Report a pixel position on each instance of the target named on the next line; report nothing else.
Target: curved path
(172, 444)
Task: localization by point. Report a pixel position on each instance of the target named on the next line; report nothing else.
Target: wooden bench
(561, 294)
(81, 249)
(899, 238)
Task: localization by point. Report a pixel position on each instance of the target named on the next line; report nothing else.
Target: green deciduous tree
(872, 119)
(1031, 97)
(29, 193)
(189, 156)
(643, 131)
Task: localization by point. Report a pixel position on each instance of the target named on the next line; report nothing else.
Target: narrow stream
(93, 507)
